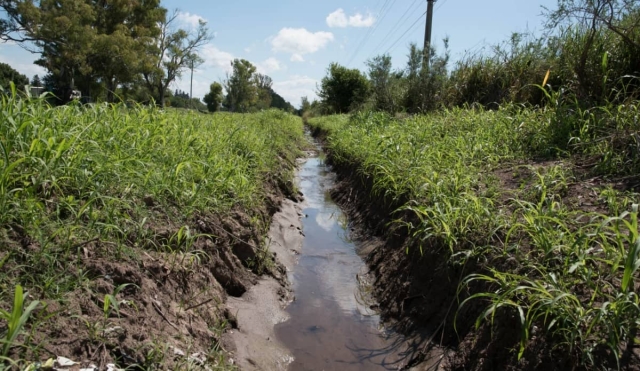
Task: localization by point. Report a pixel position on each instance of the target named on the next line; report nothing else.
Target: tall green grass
(575, 269)
(108, 175)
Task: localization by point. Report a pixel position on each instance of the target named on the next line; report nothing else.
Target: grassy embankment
(128, 227)
(525, 209)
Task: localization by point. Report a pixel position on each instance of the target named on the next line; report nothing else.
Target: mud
(260, 309)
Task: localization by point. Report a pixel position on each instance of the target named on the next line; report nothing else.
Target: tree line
(589, 52)
(114, 50)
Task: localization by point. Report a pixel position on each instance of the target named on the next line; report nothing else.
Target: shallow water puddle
(330, 329)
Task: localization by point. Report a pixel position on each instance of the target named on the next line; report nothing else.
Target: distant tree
(279, 102)
(123, 31)
(181, 94)
(384, 84)
(343, 89)
(173, 51)
(242, 91)
(425, 86)
(36, 82)
(263, 84)
(8, 74)
(86, 43)
(213, 99)
(305, 105)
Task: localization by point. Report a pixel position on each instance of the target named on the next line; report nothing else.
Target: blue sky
(294, 41)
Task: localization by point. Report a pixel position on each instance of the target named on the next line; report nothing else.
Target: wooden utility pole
(427, 33)
(191, 87)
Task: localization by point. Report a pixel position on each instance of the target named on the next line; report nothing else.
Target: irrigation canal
(330, 327)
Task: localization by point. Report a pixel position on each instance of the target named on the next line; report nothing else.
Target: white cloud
(299, 41)
(297, 58)
(269, 65)
(295, 88)
(188, 19)
(340, 19)
(337, 19)
(214, 57)
(358, 20)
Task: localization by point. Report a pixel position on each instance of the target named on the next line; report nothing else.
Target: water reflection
(330, 328)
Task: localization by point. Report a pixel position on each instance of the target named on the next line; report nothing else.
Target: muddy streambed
(331, 325)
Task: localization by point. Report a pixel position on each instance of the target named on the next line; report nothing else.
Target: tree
(214, 97)
(90, 43)
(242, 90)
(8, 75)
(279, 102)
(173, 51)
(263, 84)
(383, 83)
(36, 82)
(425, 86)
(343, 89)
(305, 105)
(124, 28)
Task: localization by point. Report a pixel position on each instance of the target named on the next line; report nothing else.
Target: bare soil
(177, 308)
(261, 308)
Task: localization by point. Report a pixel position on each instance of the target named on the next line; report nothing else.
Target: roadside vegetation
(518, 167)
(122, 229)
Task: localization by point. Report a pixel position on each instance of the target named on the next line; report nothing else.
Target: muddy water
(330, 328)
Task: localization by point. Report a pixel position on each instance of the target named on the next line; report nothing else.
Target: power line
(372, 31)
(378, 13)
(395, 43)
(440, 6)
(398, 24)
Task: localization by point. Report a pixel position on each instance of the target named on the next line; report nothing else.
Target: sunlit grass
(575, 269)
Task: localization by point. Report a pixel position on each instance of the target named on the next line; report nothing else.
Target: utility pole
(191, 87)
(427, 33)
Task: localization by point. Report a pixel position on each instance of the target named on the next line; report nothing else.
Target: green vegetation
(122, 51)
(590, 49)
(214, 97)
(573, 269)
(9, 75)
(343, 89)
(513, 171)
(121, 185)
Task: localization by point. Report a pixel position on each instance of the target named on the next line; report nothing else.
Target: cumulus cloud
(299, 41)
(340, 19)
(188, 19)
(214, 57)
(296, 87)
(269, 65)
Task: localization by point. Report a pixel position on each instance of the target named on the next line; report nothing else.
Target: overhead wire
(378, 13)
(395, 43)
(384, 11)
(440, 6)
(396, 28)
(411, 28)
(372, 30)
